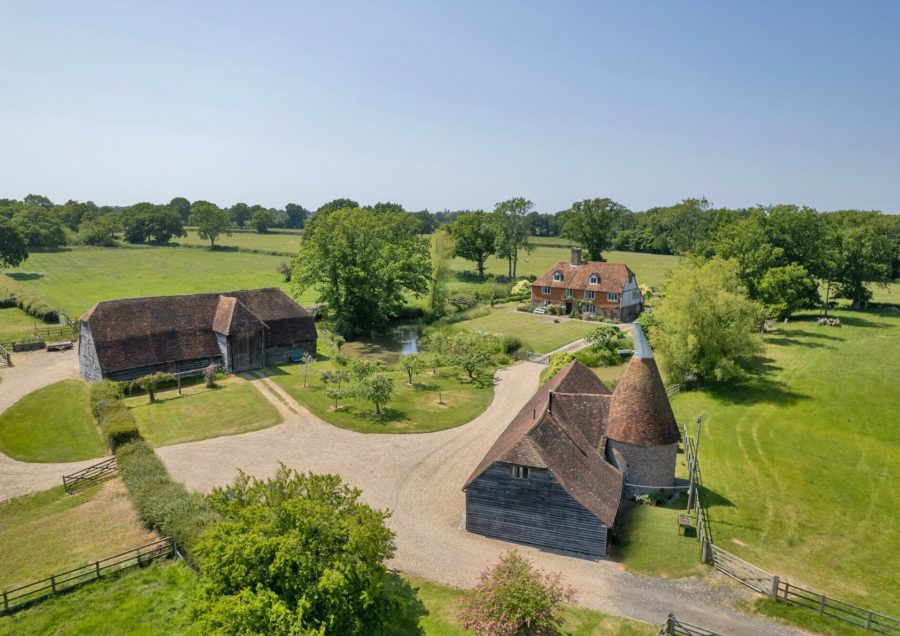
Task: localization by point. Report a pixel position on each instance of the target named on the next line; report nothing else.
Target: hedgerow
(114, 418)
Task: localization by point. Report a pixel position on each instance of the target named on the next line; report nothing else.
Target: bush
(510, 344)
(523, 307)
(162, 504)
(117, 424)
(103, 394)
(513, 598)
(557, 362)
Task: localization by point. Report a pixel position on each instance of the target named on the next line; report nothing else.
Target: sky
(454, 104)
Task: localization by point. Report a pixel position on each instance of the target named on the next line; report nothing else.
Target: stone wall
(649, 466)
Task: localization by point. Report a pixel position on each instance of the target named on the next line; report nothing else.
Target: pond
(389, 345)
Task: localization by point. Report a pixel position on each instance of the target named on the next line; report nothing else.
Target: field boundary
(761, 581)
(675, 627)
(26, 595)
(87, 476)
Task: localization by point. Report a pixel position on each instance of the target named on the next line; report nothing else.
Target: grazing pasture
(274, 240)
(52, 424)
(16, 325)
(51, 532)
(801, 463)
(200, 413)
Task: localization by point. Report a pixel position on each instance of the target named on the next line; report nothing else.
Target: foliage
(747, 243)
(441, 255)
(114, 418)
(521, 290)
(784, 290)
(475, 238)
(240, 214)
(143, 222)
(510, 220)
(13, 245)
(211, 221)
(296, 215)
(512, 598)
(510, 344)
(262, 220)
(412, 364)
(362, 264)
(361, 368)
(607, 341)
(285, 270)
(100, 231)
(306, 362)
(337, 204)
(298, 554)
(471, 350)
(706, 325)
(39, 226)
(377, 389)
(149, 383)
(162, 504)
(591, 223)
(556, 362)
(182, 207)
(861, 251)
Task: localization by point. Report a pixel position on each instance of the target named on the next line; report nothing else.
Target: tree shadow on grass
(413, 608)
(785, 341)
(758, 387)
(24, 275)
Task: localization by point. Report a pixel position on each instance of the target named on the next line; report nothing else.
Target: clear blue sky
(453, 104)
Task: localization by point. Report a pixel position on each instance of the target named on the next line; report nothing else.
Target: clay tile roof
(613, 276)
(640, 412)
(233, 316)
(577, 378)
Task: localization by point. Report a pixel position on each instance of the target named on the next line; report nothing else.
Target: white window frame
(557, 276)
(570, 293)
(545, 291)
(545, 303)
(612, 297)
(594, 279)
(590, 309)
(589, 294)
(520, 472)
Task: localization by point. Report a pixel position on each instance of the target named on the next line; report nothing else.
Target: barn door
(246, 351)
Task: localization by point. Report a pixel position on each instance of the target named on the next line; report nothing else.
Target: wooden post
(670, 624)
(5, 602)
(53, 584)
(775, 588)
(97, 568)
(869, 621)
(179, 383)
(822, 604)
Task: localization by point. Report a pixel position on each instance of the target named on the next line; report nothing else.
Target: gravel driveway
(419, 478)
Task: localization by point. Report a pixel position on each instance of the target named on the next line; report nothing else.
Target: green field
(16, 325)
(51, 531)
(287, 241)
(802, 463)
(537, 333)
(413, 409)
(52, 424)
(200, 413)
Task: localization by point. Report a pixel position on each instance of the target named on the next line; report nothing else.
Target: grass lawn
(413, 409)
(287, 241)
(144, 601)
(16, 325)
(52, 424)
(538, 333)
(51, 532)
(802, 463)
(200, 413)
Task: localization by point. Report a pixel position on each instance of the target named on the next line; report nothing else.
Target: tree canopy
(158, 224)
(296, 215)
(13, 246)
(591, 224)
(475, 236)
(362, 264)
(510, 220)
(337, 204)
(211, 221)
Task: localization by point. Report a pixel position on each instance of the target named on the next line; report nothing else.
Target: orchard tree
(182, 207)
(240, 214)
(150, 383)
(377, 389)
(475, 237)
(211, 221)
(591, 223)
(510, 219)
(413, 363)
(13, 246)
(363, 264)
(705, 326)
(469, 350)
(296, 554)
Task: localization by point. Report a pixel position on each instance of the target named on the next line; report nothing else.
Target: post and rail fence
(761, 581)
(87, 476)
(5, 358)
(675, 627)
(25, 595)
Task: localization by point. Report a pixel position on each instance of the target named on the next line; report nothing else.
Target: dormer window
(557, 276)
(594, 279)
(520, 472)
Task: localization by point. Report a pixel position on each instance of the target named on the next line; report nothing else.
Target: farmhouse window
(611, 297)
(520, 472)
(589, 295)
(569, 293)
(545, 291)
(557, 276)
(545, 303)
(594, 279)
(591, 309)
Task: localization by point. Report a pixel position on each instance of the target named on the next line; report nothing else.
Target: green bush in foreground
(114, 418)
(297, 554)
(162, 504)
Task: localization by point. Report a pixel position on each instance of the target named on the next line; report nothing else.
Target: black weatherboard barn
(240, 330)
(556, 477)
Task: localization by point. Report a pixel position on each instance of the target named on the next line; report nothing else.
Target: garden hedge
(114, 418)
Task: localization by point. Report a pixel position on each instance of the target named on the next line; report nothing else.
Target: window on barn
(520, 472)
(611, 297)
(545, 291)
(594, 279)
(589, 295)
(557, 276)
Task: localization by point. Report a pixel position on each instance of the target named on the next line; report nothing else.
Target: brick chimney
(576, 256)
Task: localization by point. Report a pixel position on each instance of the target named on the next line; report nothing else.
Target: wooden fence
(761, 581)
(90, 475)
(26, 595)
(540, 358)
(5, 359)
(675, 627)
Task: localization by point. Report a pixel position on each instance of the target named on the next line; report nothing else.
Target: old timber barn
(556, 477)
(240, 330)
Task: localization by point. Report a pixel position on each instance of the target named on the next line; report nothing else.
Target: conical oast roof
(640, 412)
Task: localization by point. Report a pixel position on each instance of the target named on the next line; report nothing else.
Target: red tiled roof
(640, 412)
(613, 276)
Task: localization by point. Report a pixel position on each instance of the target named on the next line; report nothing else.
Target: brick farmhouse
(605, 289)
(239, 330)
(557, 476)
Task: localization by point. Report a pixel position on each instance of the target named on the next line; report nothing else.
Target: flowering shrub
(514, 599)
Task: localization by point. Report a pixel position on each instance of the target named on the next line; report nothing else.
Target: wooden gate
(738, 569)
(246, 351)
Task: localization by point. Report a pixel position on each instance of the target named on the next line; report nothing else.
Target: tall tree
(143, 222)
(337, 204)
(511, 223)
(362, 264)
(296, 216)
(783, 290)
(747, 243)
(475, 236)
(13, 246)
(388, 206)
(591, 222)
(41, 226)
(262, 219)
(863, 251)
(240, 213)
(706, 326)
(441, 255)
(211, 221)
(38, 200)
(182, 207)
(100, 231)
